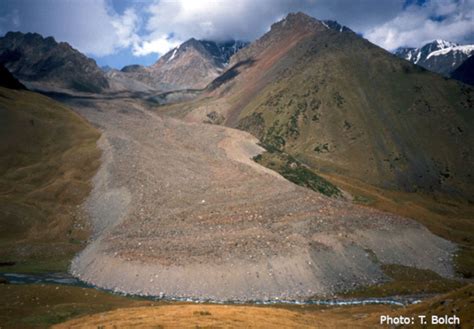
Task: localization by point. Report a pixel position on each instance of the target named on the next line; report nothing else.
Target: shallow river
(66, 279)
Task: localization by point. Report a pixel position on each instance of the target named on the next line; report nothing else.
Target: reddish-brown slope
(345, 106)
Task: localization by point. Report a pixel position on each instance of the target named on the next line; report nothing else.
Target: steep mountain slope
(192, 65)
(44, 63)
(346, 107)
(439, 56)
(465, 72)
(129, 80)
(47, 156)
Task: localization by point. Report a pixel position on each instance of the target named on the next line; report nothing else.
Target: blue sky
(124, 57)
(122, 32)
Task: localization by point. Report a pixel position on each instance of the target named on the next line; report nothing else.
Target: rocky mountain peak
(285, 32)
(17, 39)
(43, 62)
(437, 45)
(297, 22)
(334, 25)
(133, 68)
(217, 51)
(302, 22)
(444, 44)
(193, 64)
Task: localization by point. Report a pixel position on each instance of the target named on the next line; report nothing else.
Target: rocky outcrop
(44, 63)
(192, 65)
(7, 80)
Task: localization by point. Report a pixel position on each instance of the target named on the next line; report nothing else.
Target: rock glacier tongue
(193, 216)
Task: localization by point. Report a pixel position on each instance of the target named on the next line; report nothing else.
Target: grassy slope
(458, 302)
(40, 306)
(395, 136)
(47, 156)
(295, 172)
(407, 281)
(191, 316)
(344, 106)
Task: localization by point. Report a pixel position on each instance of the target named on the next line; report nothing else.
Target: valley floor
(180, 209)
(228, 316)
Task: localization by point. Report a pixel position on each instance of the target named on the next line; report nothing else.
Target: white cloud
(96, 28)
(247, 19)
(243, 19)
(444, 19)
(126, 27)
(159, 45)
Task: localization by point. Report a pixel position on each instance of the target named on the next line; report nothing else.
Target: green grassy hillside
(344, 106)
(381, 128)
(47, 156)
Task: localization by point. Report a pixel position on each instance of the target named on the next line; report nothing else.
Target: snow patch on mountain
(466, 49)
(439, 56)
(173, 55)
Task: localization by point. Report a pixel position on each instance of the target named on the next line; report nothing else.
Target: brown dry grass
(445, 217)
(225, 316)
(47, 156)
(40, 306)
(458, 302)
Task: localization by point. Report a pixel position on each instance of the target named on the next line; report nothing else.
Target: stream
(69, 280)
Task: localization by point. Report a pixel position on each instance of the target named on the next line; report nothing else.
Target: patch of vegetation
(254, 124)
(322, 148)
(214, 118)
(304, 177)
(38, 264)
(85, 86)
(40, 306)
(338, 99)
(407, 280)
(295, 171)
(458, 302)
(347, 125)
(293, 124)
(464, 260)
(361, 199)
(274, 136)
(202, 313)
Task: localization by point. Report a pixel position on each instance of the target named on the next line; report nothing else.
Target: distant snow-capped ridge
(466, 49)
(220, 51)
(439, 56)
